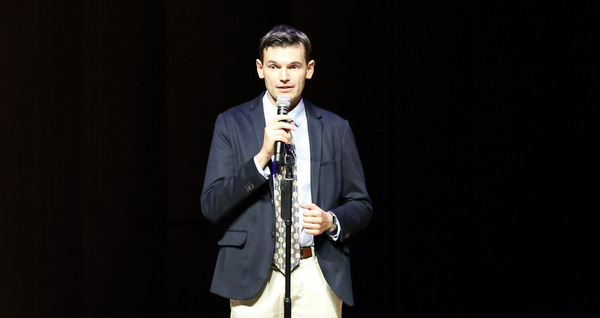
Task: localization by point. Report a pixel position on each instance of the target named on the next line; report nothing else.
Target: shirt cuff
(264, 172)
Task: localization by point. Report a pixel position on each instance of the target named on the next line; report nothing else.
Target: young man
(241, 190)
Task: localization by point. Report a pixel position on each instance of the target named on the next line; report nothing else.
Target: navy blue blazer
(236, 194)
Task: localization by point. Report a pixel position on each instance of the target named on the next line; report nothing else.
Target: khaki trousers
(311, 295)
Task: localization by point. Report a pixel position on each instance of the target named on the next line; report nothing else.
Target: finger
(308, 206)
(283, 119)
(287, 126)
(280, 126)
(313, 220)
(315, 213)
(277, 135)
(311, 214)
(282, 129)
(312, 232)
(311, 226)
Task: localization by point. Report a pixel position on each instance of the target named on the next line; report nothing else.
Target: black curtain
(473, 120)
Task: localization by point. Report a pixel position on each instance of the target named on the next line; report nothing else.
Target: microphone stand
(286, 215)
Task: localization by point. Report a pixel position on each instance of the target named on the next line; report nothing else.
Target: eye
(272, 67)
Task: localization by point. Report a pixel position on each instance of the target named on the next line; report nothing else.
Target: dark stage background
(473, 119)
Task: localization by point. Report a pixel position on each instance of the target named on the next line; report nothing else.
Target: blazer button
(272, 233)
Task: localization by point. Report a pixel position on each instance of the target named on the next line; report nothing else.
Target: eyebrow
(275, 62)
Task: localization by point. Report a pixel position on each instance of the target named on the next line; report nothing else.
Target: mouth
(285, 89)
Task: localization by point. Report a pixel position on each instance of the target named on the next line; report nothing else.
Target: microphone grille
(283, 101)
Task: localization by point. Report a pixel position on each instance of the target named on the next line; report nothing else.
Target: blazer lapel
(315, 131)
(257, 117)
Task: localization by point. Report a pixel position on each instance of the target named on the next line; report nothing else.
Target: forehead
(288, 54)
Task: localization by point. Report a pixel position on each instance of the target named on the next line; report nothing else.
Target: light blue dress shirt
(302, 144)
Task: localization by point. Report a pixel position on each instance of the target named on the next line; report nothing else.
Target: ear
(310, 69)
(259, 69)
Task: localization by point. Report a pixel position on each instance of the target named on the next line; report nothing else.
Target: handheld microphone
(283, 102)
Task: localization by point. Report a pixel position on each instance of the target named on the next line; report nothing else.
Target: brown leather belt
(305, 252)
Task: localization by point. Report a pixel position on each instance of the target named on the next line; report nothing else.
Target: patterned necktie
(280, 241)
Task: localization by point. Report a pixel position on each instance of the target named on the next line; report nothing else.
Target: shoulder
(315, 112)
(241, 115)
(244, 108)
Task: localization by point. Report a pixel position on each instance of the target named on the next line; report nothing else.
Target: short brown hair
(283, 36)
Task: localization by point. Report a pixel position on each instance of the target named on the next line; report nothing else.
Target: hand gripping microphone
(283, 102)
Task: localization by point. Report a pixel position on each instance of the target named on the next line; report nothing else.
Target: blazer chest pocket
(233, 238)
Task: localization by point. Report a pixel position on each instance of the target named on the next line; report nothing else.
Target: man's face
(285, 71)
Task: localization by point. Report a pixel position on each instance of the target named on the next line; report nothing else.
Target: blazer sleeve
(231, 176)
(355, 208)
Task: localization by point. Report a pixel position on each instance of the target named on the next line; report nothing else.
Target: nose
(284, 76)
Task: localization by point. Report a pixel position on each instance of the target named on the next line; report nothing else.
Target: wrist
(334, 222)
(262, 159)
